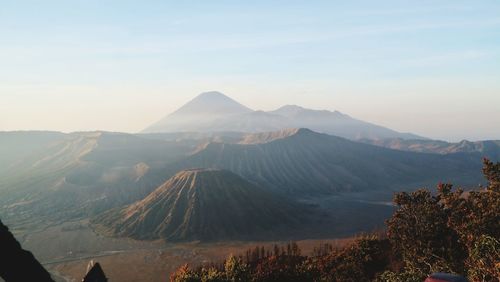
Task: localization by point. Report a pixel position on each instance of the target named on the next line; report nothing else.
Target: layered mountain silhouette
(215, 112)
(83, 174)
(300, 161)
(202, 204)
(486, 148)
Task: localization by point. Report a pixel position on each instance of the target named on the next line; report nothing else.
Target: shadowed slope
(202, 204)
(305, 162)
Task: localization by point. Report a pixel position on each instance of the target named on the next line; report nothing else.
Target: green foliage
(185, 274)
(453, 231)
(484, 259)
(212, 274)
(419, 232)
(235, 269)
(476, 213)
(404, 276)
(360, 261)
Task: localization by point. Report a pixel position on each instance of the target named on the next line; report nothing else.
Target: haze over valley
(249, 141)
(177, 185)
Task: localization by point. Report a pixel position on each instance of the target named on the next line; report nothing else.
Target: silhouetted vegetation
(17, 264)
(449, 231)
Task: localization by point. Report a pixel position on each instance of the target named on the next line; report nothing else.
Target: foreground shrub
(484, 260)
(450, 231)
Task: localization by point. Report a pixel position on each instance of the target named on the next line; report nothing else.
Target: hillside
(202, 204)
(305, 162)
(215, 112)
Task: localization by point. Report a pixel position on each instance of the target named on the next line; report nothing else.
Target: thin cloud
(411, 11)
(447, 58)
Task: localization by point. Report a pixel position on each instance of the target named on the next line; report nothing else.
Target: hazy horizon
(425, 68)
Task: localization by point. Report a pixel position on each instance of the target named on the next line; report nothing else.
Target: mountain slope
(201, 204)
(306, 162)
(215, 112)
(486, 148)
(198, 113)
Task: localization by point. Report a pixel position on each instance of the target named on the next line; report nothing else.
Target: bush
(451, 231)
(184, 274)
(484, 260)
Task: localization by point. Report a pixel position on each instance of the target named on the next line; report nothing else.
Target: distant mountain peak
(205, 108)
(211, 95)
(212, 102)
(289, 110)
(291, 107)
(215, 112)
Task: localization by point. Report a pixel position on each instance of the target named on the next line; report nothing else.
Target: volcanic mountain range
(215, 112)
(131, 183)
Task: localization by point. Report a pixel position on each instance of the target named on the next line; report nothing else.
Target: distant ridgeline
(237, 174)
(81, 175)
(215, 112)
(54, 176)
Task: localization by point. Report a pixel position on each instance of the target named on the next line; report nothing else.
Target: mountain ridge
(211, 114)
(203, 109)
(488, 148)
(308, 162)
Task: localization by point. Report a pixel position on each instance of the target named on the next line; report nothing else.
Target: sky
(427, 67)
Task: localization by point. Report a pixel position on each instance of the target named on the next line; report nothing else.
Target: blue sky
(428, 67)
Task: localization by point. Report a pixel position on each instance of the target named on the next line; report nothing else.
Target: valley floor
(156, 265)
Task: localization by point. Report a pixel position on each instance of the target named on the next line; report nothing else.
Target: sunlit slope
(202, 204)
(86, 173)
